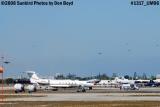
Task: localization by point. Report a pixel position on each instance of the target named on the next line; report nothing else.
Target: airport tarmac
(95, 90)
(107, 94)
(91, 97)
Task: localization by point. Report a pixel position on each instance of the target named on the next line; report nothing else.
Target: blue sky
(62, 39)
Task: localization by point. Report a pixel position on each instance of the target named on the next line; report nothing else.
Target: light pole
(2, 71)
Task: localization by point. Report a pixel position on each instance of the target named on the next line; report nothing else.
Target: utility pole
(2, 60)
(1, 71)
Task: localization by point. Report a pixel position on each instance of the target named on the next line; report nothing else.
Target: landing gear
(81, 89)
(90, 88)
(55, 89)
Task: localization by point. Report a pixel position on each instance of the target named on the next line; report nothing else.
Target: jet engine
(31, 88)
(19, 88)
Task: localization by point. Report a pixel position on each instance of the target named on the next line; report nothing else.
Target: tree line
(102, 76)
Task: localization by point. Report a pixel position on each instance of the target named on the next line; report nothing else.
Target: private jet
(55, 84)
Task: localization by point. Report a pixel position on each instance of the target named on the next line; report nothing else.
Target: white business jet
(81, 85)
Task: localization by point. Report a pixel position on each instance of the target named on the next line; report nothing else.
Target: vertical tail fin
(32, 75)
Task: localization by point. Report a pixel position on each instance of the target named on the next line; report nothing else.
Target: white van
(129, 87)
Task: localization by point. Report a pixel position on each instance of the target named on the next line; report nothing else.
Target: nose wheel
(81, 89)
